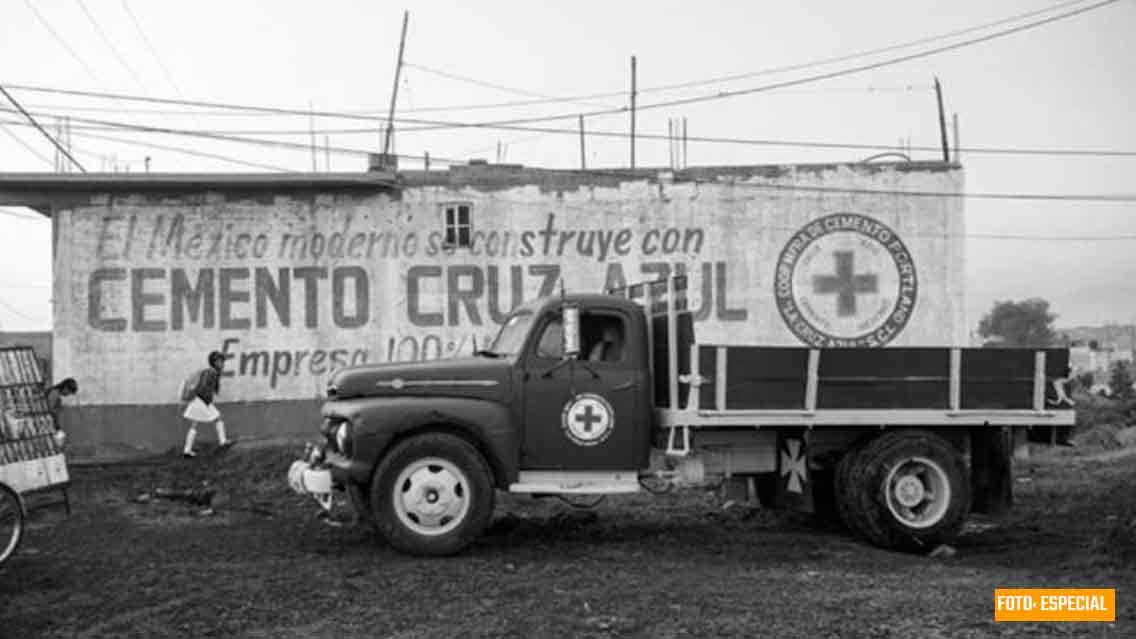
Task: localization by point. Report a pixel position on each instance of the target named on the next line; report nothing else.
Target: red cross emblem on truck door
(846, 284)
(587, 419)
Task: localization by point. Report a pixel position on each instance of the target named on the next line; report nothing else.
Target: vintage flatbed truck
(610, 394)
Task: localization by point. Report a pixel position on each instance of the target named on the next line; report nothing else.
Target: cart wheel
(11, 521)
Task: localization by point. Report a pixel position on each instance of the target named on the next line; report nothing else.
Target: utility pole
(671, 141)
(327, 153)
(312, 135)
(684, 142)
(394, 91)
(955, 121)
(633, 93)
(583, 155)
(942, 120)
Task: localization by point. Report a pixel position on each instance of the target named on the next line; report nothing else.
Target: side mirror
(571, 315)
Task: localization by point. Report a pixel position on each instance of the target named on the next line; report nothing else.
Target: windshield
(511, 337)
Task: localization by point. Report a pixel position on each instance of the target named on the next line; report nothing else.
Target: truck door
(582, 414)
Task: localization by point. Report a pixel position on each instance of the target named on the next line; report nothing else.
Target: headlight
(343, 437)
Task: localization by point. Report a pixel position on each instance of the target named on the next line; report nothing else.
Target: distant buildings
(1098, 360)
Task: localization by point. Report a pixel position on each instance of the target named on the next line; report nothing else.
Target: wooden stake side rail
(871, 387)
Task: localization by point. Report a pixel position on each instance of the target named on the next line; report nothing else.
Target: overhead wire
(792, 67)
(149, 45)
(722, 95)
(490, 85)
(26, 145)
(60, 39)
(980, 150)
(191, 152)
(433, 124)
(126, 127)
(1082, 197)
(110, 45)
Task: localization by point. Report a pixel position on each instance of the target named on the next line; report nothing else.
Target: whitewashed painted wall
(292, 288)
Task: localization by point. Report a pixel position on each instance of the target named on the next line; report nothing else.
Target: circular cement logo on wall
(845, 280)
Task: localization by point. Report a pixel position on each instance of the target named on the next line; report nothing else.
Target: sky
(1067, 85)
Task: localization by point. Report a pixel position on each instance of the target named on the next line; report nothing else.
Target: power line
(490, 85)
(47, 135)
(722, 95)
(109, 44)
(453, 107)
(542, 131)
(780, 69)
(17, 313)
(60, 39)
(501, 123)
(126, 127)
(860, 54)
(185, 151)
(150, 46)
(781, 187)
(27, 146)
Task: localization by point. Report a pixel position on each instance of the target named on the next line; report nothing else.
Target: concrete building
(295, 275)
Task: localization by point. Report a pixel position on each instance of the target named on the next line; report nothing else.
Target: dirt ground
(262, 565)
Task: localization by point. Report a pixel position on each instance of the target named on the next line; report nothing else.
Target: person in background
(55, 395)
(201, 408)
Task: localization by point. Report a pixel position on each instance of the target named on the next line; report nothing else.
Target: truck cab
(594, 394)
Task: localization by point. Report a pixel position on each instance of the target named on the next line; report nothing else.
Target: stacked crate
(31, 458)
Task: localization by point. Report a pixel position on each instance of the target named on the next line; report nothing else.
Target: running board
(576, 482)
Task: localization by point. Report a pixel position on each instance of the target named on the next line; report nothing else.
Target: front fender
(377, 422)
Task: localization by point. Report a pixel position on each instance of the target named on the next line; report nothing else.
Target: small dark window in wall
(458, 227)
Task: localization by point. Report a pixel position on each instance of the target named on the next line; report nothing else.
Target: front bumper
(314, 475)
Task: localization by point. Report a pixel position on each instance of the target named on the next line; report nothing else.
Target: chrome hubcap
(918, 492)
(431, 496)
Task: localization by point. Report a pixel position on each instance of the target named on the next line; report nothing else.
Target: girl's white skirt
(199, 411)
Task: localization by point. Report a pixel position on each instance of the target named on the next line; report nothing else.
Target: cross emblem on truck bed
(846, 284)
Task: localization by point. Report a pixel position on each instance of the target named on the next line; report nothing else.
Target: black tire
(11, 522)
(455, 495)
(904, 490)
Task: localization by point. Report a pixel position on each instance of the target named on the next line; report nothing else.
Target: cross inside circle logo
(845, 280)
(587, 419)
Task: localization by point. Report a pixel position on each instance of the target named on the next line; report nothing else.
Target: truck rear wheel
(906, 489)
(432, 495)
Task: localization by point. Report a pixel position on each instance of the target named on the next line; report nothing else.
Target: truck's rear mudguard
(991, 469)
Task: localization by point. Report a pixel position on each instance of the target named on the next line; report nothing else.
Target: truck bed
(736, 385)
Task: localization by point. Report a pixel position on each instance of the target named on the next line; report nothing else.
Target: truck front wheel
(906, 489)
(432, 495)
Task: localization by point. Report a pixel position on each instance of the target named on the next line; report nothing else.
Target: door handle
(624, 386)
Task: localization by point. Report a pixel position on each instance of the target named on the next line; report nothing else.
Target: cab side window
(551, 342)
(603, 337)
